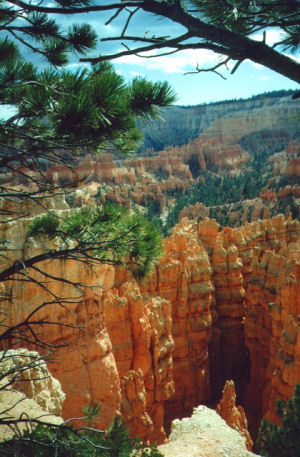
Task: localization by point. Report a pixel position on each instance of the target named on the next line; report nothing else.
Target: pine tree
(226, 27)
(55, 116)
(107, 234)
(90, 108)
(65, 441)
(282, 440)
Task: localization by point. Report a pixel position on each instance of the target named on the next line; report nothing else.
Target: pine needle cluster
(90, 108)
(44, 35)
(246, 17)
(109, 234)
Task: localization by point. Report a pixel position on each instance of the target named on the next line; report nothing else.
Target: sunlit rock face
(220, 304)
(228, 121)
(142, 344)
(183, 277)
(234, 415)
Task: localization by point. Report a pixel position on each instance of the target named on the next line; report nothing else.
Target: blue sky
(206, 87)
(192, 89)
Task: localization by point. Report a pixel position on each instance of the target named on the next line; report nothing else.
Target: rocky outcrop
(209, 154)
(286, 162)
(293, 168)
(27, 389)
(221, 304)
(283, 193)
(142, 345)
(204, 434)
(286, 200)
(233, 415)
(106, 169)
(26, 372)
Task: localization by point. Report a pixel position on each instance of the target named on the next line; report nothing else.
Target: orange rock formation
(219, 305)
(234, 415)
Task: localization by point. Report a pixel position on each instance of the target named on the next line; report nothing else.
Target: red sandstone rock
(234, 415)
(216, 300)
(197, 211)
(293, 168)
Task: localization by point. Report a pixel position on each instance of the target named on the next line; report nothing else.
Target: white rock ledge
(204, 434)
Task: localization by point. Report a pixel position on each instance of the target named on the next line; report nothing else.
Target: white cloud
(259, 77)
(135, 73)
(257, 65)
(175, 63)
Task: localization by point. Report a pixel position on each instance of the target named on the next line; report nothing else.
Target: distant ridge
(263, 95)
(181, 124)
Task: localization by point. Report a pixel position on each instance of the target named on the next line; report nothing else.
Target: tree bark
(236, 46)
(239, 47)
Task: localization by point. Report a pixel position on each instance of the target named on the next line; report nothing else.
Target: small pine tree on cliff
(282, 440)
(65, 441)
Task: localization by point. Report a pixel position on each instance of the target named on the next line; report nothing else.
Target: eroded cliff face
(221, 304)
(230, 120)
(183, 277)
(254, 143)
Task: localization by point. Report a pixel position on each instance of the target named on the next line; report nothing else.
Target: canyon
(222, 303)
(249, 149)
(252, 146)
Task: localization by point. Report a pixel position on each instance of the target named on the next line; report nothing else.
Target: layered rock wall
(183, 277)
(231, 119)
(220, 304)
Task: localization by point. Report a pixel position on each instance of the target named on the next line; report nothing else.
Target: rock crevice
(221, 304)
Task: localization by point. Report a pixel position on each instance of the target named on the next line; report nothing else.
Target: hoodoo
(221, 304)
